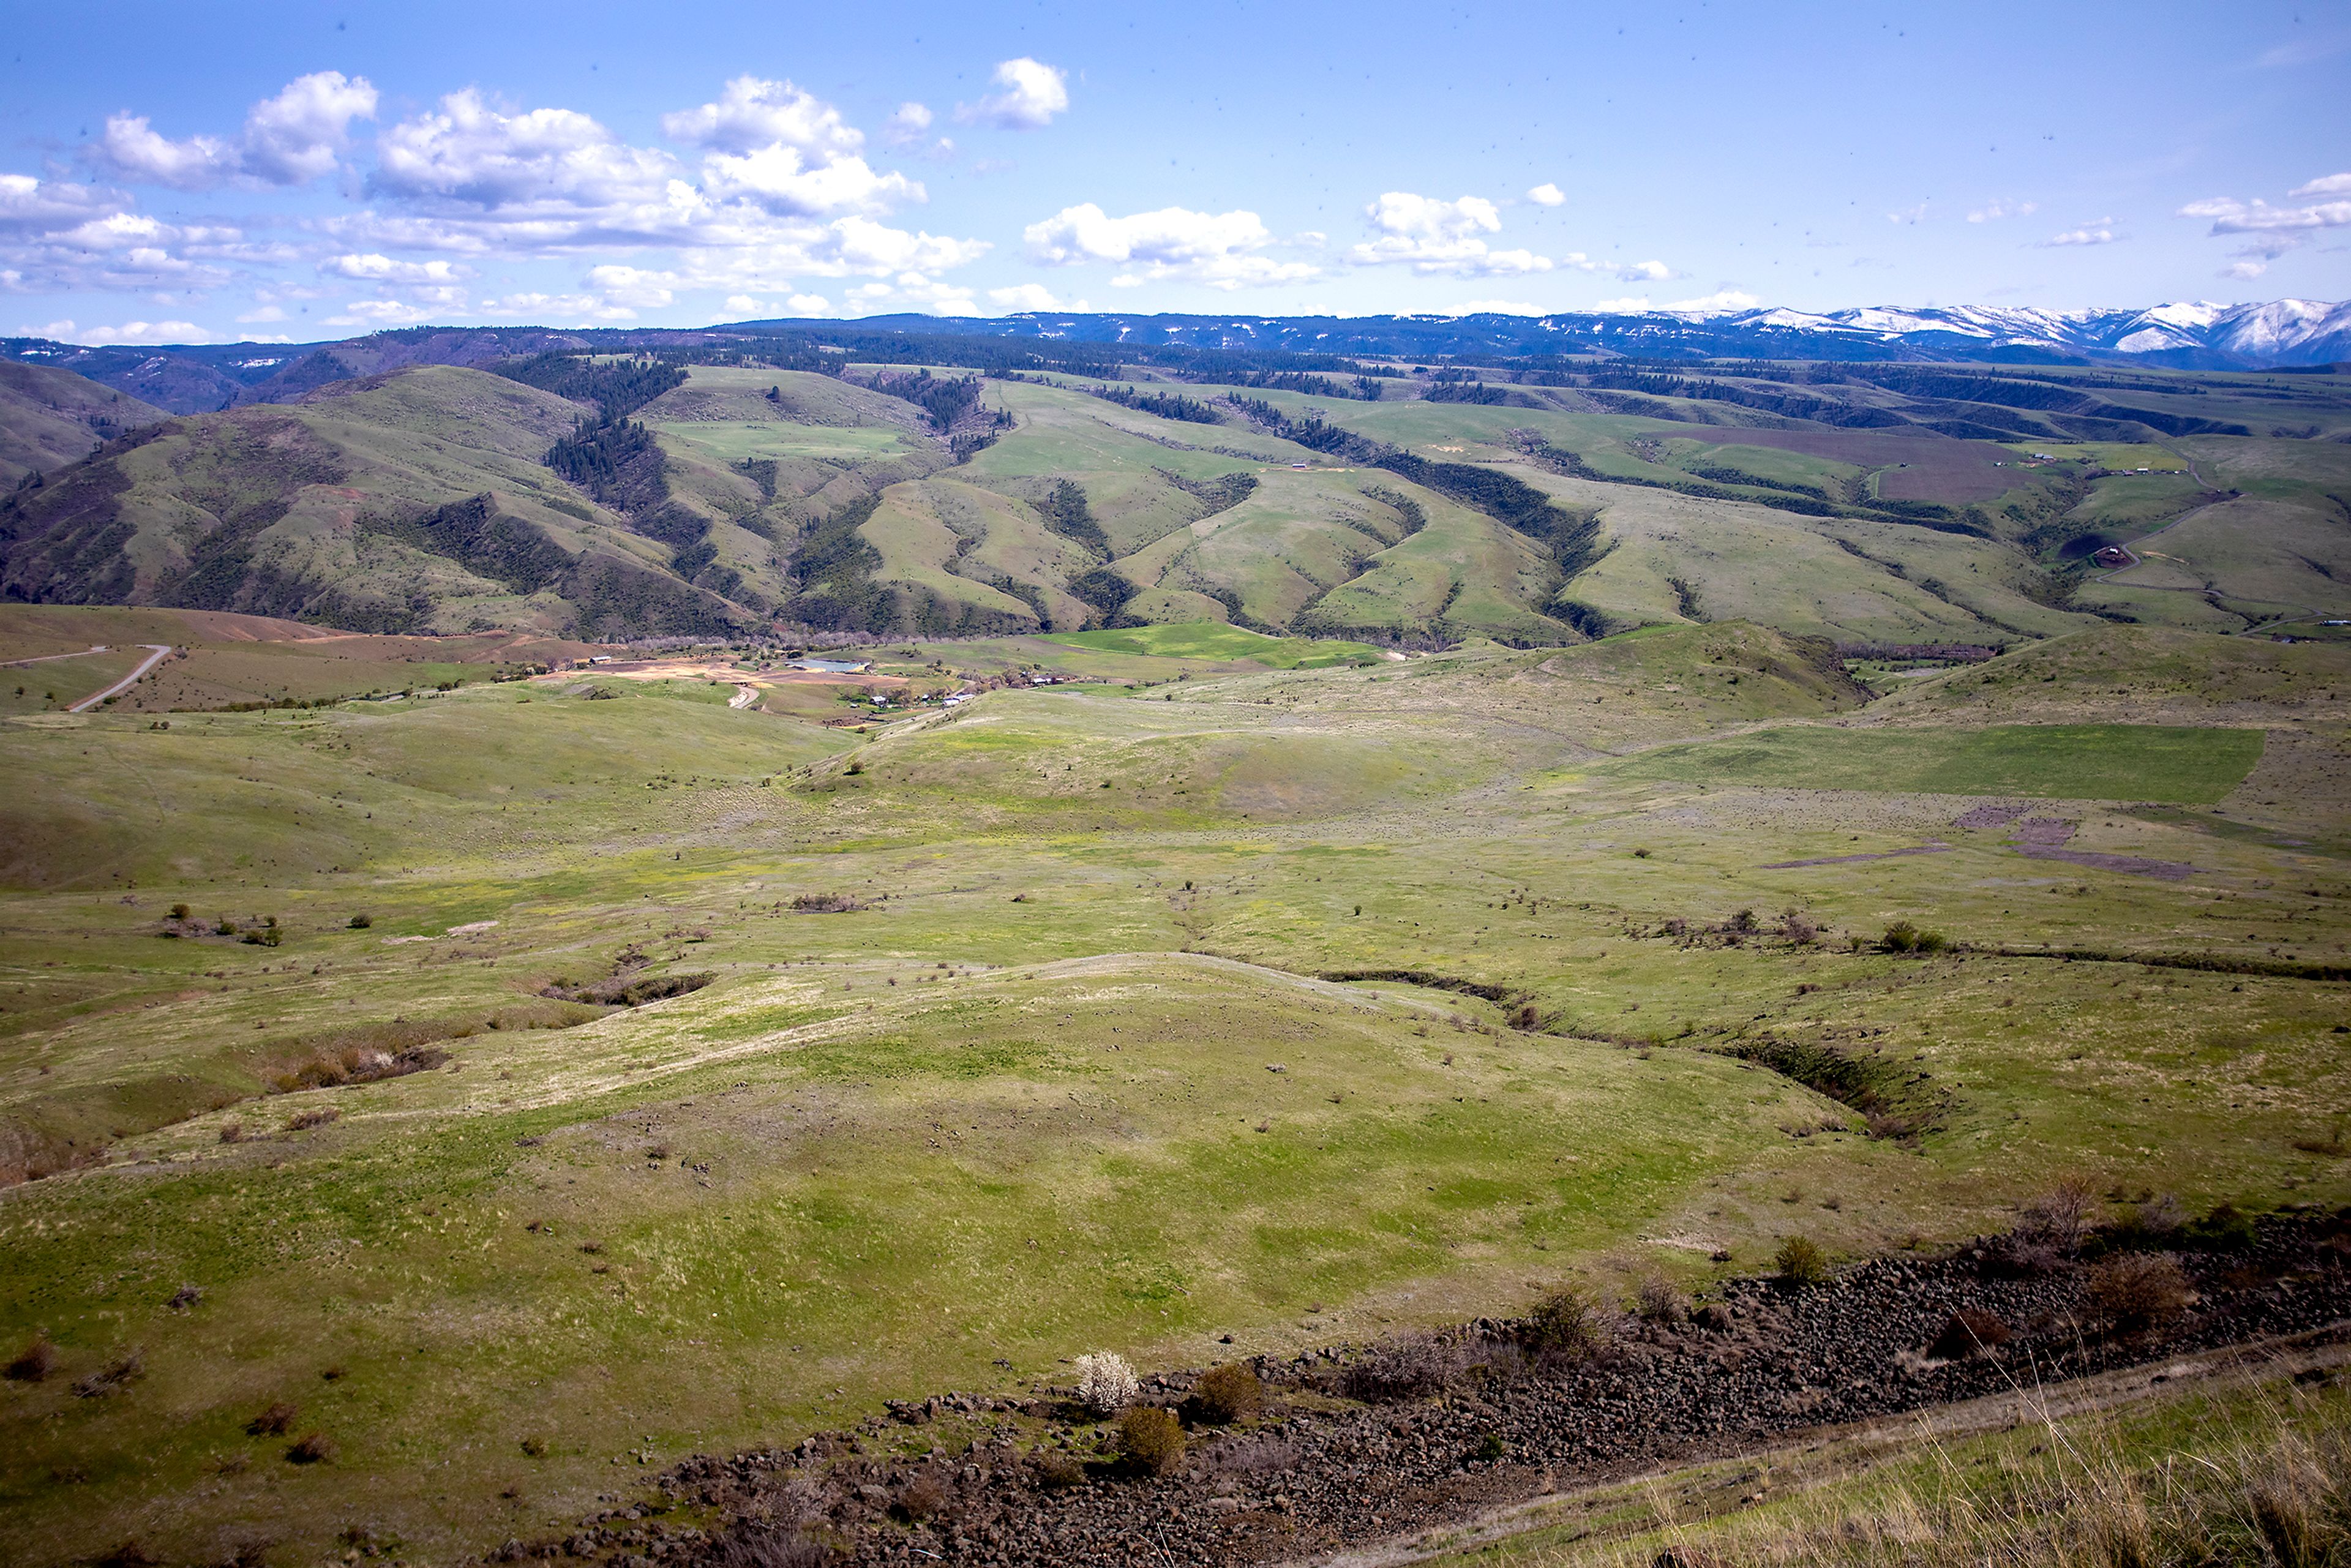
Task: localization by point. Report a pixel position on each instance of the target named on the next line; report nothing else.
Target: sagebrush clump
(1567, 1323)
(1800, 1261)
(1227, 1394)
(2135, 1291)
(1150, 1439)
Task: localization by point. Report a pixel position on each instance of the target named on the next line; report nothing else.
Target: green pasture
(2064, 761)
(744, 440)
(2123, 455)
(1216, 640)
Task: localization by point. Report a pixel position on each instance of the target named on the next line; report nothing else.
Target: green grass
(1010, 1110)
(1215, 640)
(2124, 455)
(744, 441)
(2070, 761)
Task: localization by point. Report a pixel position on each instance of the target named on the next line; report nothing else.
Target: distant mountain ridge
(2193, 335)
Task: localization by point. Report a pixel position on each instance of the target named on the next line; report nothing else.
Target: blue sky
(198, 173)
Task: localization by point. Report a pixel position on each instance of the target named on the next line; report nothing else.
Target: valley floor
(1213, 1013)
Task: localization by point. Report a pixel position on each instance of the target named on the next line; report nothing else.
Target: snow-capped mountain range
(2194, 335)
(2282, 332)
(192, 377)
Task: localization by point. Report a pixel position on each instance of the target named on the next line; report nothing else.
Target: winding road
(156, 653)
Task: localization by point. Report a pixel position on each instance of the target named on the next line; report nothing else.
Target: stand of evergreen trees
(1165, 405)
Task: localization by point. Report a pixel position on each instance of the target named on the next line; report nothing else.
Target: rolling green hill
(51, 417)
(629, 496)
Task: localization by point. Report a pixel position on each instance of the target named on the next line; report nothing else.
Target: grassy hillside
(414, 503)
(1866, 504)
(51, 417)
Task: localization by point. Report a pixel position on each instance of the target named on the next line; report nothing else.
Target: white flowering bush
(1106, 1385)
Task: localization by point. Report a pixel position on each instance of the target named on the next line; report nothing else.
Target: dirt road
(157, 652)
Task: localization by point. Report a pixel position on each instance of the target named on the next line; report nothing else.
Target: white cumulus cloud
(2101, 232)
(140, 332)
(1431, 237)
(1720, 301)
(908, 124)
(471, 154)
(1992, 212)
(1219, 249)
(288, 140)
(1032, 94)
(2325, 185)
(1029, 296)
(1547, 195)
(2231, 216)
(374, 269)
(1652, 271)
(781, 179)
(752, 113)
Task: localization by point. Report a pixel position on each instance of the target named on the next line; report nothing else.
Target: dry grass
(2272, 1489)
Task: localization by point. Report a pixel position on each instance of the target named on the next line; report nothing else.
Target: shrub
(319, 1116)
(274, 1422)
(111, 1378)
(2135, 1292)
(1969, 1334)
(2147, 1227)
(1106, 1382)
(179, 912)
(1407, 1368)
(1150, 1439)
(827, 904)
(924, 1497)
(1058, 1472)
(232, 1132)
(362, 922)
(767, 1547)
(1800, 1261)
(35, 1362)
(1226, 1394)
(312, 1448)
(1657, 1302)
(2061, 1214)
(534, 1448)
(2225, 1229)
(1567, 1322)
(1902, 936)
